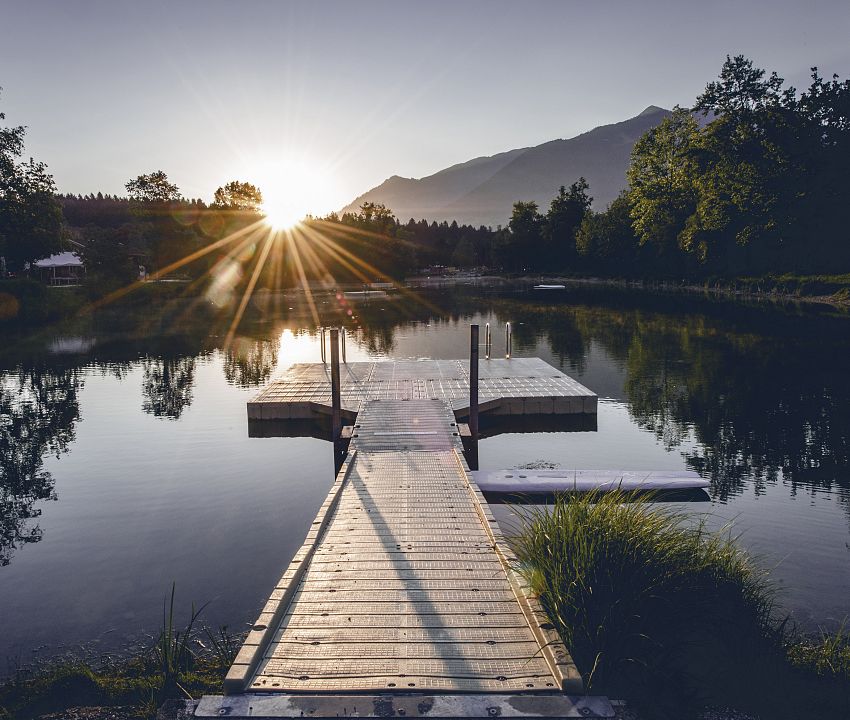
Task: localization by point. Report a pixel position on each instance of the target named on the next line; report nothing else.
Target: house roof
(64, 259)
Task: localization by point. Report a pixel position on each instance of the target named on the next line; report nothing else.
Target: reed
(657, 608)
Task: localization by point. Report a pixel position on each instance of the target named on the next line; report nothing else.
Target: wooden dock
(516, 386)
(405, 584)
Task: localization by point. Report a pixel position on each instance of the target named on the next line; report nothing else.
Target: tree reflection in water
(38, 412)
(751, 396)
(249, 363)
(754, 396)
(167, 385)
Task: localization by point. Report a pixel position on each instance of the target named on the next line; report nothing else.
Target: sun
(281, 216)
(293, 187)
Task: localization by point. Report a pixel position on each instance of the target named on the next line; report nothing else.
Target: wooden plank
(404, 582)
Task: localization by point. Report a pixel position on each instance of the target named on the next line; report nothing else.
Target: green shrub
(656, 608)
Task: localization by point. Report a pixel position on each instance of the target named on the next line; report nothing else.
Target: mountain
(482, 191)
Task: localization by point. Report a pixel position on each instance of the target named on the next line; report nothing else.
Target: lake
(127, 466)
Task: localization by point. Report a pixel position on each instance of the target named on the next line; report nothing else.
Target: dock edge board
(412, 705)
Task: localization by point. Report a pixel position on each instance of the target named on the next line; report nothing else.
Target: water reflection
(167, 385)
(763, 392)
(751, 396)
(38, 412)
(249, 363)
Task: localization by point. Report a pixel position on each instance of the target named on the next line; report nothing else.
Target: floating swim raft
(548, 482)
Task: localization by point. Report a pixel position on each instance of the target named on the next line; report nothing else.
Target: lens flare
(281, 216)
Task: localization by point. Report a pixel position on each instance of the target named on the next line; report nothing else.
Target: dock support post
(336, 402)
(472, 452)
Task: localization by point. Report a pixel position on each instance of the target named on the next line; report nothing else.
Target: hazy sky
(357, 91)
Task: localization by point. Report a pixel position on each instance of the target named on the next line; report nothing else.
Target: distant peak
(651, 110)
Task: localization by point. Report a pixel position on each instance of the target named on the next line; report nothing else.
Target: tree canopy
(237, 195)
(152, 188)
(31, 225)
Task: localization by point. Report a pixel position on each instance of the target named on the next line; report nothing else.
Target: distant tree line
(751, 180)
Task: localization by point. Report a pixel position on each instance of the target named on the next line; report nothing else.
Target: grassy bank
(822, 289)
(660, 611)
(181, 663)
(654, 607)
(26, 303)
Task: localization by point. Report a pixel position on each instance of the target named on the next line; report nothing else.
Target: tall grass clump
(185, 660)
(657, 608)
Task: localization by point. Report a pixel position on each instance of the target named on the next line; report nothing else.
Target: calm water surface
(126, 462)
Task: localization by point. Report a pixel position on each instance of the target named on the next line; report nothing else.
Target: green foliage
(757, 188)
(24, 301)
(631, 588)
(536, 242)
(660, 177)
(517, 248)
(656, 608)
(31, 224)
(152, 188)
(105, 254)
(178, 666)
(174, 653)
(383, 248)
(566, 213)
(606, 240)
(237, 195)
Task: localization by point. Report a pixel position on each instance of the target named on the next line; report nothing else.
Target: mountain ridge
(481, 191)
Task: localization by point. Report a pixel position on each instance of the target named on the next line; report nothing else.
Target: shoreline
(838, 300)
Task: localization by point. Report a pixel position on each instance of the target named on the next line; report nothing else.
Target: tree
(519, 248)
(40, 410)
(661, 181)
(238, 195)
(152, 188)
(105, 253)
(742, 91)
(607, 240)
(748, 178)
(31, 224)
(566, 212)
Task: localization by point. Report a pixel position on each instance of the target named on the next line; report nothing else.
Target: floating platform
(515, 386)
(549, 482)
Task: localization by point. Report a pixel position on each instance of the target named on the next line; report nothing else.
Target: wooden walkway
(405, 582)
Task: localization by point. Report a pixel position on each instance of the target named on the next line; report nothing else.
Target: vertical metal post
(473, 382)
(322, 344)
(471, 445)
(487, 341)
(336, 405)
(343, 345)
(508, 340)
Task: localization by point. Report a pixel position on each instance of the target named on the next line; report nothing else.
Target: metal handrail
(508, 340)
(487, 341)
(342, 340)
(322, 345)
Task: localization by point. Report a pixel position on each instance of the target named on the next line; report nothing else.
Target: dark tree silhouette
(167, 385)
(38, 412)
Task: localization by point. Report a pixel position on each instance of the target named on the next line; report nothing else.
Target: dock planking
(405, 583)
(515, 386)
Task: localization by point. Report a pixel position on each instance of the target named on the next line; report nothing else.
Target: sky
(324, 100)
